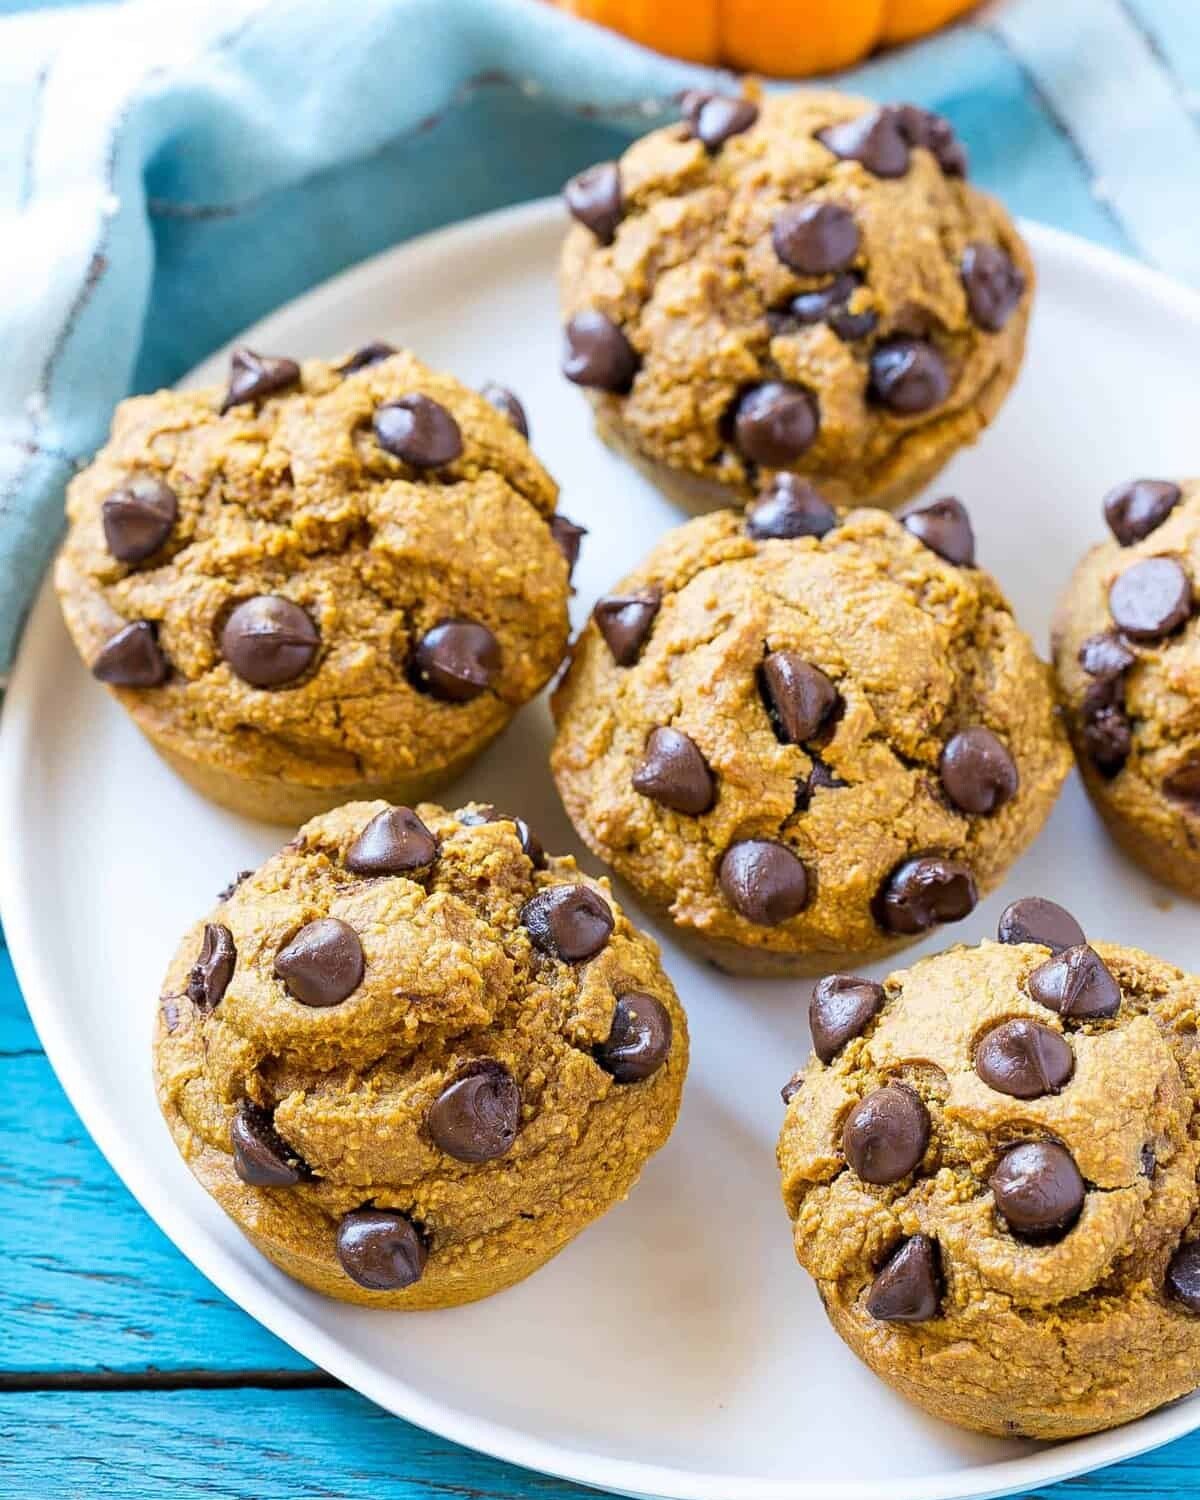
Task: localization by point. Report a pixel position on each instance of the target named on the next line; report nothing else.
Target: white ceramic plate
(675, 1348)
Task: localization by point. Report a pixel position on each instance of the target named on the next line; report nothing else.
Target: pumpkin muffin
(411, 1057)
(803, 283)
(806, 737)
(1127, 656)
(327, 581)
(991, 1167)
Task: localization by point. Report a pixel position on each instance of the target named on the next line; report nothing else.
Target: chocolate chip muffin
(324, 582)
(806, 284)
(412, 1057)
(1127, 657)
(990, 1163)
(806, 737)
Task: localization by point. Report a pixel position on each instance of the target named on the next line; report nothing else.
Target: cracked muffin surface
(329, 580)
(1127, 659)
(411, 1057)
(805, 282)
(804, 737)
(992, 1179)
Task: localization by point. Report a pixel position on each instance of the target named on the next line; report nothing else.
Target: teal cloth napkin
(170, 170)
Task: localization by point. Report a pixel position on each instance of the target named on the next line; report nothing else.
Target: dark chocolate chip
(1033, 919)
(419, 431)
(718, 118)
(674, 773)
(567, 536)
(507, 405)
(763, 881)
(569, 922)
(921, 892)
(908, 376)
(815, 238)
(922, 127)
(323, 964)
(1183, 785)
(394, 842)
(874, 139)
(822, 777)
(850, 326)
(261, 1157)
(624, 620)
(830, 304)
(138, 517)
(793, 1086)
(1078, 984)
(209, 976)
(373, 353)
(269, 641)
(775, 423)
(1134, 510)
(789, 507)
(1038, 1190)
(475, 1118)
(639, 1039)
(885, 1134)
(1106, 655)
(253, 376)
(1150, 599)
(994, 285)
(132, 658)
(598, 354)
(456, 660)
(799, 696)
(1148, 1162)
(1107, 733)
(908, 1289)
(945, 528)
(977, 772)
(839, 1010)
(594, 198)
(531, 845)
(1024, 1059)
(381, 1251)
(1183, 1276)
(226, 891)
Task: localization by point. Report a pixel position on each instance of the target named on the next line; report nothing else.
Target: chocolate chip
(1183, 785)
(394, 842)
(1038, 1190)
(373, 353)
(381, 1251)
(531, 845)
(138, 518)
(456, 660)
(323, 963)
(209, 976)
(639, 1039)
(261, 1157)
(994, 285)
(828, 304)
(1033, 919)
(1134, 510)
(624, 620)
(567, 536)
(228, 890)
(594, 198)
(598, 354)
(908, 376)
(908, 1289)
(874, 139)
(1148, 1161)
(921, 892)
(820, 777)
(507, 405)
(1078, 984)
(269, 641)
(775, 423)
(419, 431)
(814, 238)
(850, 326)
(945, 528)
(799, 696)
(789, 507)
(1150, 599)
(1183, 1276)
(476, 1117)
(718, 118)
(674, 773)
(922, 127)
(977, 772)
(1024, 1059)
(839, 1010)
(1107, 734)
(253, 376)
(793, 1086)
(885, 1134)
(132, 658)
(763, 881)
(570, 922)
(1106, 656)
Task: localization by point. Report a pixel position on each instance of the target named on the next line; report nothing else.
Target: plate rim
(503, 1441)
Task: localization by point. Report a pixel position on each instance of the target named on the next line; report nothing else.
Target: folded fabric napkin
(171, 172)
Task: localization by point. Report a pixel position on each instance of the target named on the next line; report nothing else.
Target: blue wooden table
(123, 1373)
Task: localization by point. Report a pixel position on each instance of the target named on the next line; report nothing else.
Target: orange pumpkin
(784, 38)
